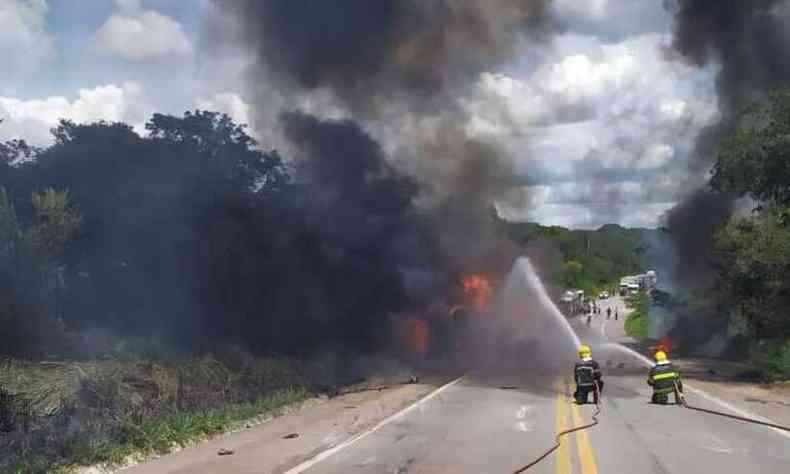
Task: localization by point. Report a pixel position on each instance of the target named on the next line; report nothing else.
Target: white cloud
(137, 34)
(25, 45)
(588, 217)
(598, 125)
(656, 156)
(613, 20)
(32, 119)
(592, 8)
(229, 103)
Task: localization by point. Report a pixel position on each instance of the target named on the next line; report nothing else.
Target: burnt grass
(55, 416)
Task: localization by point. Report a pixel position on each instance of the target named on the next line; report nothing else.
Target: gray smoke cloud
(750, 41)
(372, 55)
(397, 68)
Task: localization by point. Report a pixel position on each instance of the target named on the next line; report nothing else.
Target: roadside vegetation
(58, 415)
(589, 260)
(156, 288)
(636, 324)
(752, 251)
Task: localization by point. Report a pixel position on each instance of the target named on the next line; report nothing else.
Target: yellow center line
(586, 455)
(563, 459)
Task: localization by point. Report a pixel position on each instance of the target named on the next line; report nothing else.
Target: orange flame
(665, 344)
(417, 337)
(479, 289)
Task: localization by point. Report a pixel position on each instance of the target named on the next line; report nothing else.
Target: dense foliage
(30, 276)
(588, 259)
(752, 252)
(754, 266)
(755, 160)
(194, 234)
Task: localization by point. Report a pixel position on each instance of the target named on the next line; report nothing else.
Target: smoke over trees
(752, 252)
(193, 233)
(749, 40)
(398, 68)
(30, 278)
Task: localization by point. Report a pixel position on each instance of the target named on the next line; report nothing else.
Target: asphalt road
(476, 426)
(484, 423)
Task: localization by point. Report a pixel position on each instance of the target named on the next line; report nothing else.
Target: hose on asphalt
(685, 404)
(558, 436)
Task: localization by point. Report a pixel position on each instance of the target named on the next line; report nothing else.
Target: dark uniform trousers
(587, 375)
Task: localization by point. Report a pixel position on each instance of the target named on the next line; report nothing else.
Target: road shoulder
(272, 447)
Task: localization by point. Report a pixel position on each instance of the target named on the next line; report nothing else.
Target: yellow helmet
(585, 351)
(660, 356)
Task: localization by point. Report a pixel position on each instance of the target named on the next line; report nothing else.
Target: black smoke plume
(392, 62)
(692, 224)
(372, 54)
(750, 41)
(395, 69)
(362, 206)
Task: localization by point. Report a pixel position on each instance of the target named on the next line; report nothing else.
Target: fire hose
(558, 436)
(683, 403)
(682, 399)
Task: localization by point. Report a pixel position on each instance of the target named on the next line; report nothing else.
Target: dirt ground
(283, 442)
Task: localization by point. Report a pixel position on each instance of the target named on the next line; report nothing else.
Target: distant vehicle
(574, 302)
(604, 295)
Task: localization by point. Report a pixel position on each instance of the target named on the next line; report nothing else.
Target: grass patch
(772, 359)
(636, 325)
(56, 415)
(637, 322)
(157, 436)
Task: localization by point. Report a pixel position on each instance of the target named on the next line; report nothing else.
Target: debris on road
(291, 436)
(225, 452)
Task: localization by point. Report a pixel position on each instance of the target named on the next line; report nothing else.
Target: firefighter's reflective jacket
(663, 376)
(586, 372)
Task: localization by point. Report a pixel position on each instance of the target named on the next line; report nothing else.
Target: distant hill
(588, 259)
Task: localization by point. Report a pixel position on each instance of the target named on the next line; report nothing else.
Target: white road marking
(325, 454)
(522, 426)
(521, 414)
(717, 445)
(736, 410)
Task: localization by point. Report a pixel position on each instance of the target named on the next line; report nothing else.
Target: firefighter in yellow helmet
(664, 379)
(587, 374)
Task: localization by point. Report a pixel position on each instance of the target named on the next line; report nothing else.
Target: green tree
(574, 273)
(753, 262)
(30, 275)
(57, 222)
(753, 253)
(755, 160)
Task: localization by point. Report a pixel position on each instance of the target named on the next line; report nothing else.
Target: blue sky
(73, 25)
(104, 59)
